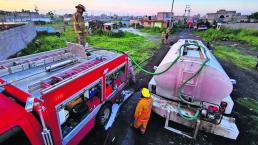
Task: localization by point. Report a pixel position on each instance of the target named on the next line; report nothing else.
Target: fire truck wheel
(104, 115)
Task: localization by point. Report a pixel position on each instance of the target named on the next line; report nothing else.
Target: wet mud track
(122, 133)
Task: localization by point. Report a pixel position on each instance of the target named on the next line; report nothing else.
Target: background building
(22, 16)
(226, 16)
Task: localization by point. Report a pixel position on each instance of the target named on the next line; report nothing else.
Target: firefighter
(143, 111)
(79, 24)
(168, 30)
(163, 38)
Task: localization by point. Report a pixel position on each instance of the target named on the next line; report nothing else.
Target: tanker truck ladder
(198, 122)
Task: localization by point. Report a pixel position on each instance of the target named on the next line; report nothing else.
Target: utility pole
(187, 13)
(172, 13)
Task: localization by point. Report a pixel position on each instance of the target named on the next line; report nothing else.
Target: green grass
(249, 103)
(250, 117)
(55, 24)
(153, 31)
(234, 55)
(45, 42)
(247, 35)
(138, 47)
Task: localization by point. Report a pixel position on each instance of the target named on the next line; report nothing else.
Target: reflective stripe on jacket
(78, 23)
(143, 109)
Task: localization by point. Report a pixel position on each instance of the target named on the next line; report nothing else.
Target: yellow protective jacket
(78, 23)
(143, 109)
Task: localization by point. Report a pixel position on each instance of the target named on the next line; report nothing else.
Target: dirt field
(122, 133)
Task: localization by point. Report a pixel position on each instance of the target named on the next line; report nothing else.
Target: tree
(36, 9)
(51, 14)
(253, 16)
(207, 23)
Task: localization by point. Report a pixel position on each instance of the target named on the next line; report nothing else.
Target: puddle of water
(115, 109)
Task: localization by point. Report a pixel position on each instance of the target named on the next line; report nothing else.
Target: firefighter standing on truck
(143, 111)
(79, 24)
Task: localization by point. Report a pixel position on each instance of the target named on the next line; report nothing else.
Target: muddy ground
(122, 133)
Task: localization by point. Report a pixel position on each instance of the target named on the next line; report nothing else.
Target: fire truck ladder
(47, 83)
(28, 62)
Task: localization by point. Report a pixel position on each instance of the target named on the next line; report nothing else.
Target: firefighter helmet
(145, 93)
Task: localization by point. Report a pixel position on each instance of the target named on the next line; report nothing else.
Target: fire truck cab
(57, 97)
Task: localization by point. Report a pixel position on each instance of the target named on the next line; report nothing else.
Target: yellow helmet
(145, 93)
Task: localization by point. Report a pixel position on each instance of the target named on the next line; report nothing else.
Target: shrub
(117, 34)
(153, 31)
(234, 55)
(246, 35)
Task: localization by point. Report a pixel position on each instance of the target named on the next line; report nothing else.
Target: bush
(246, 35)
(234, 55)
(117, 34)
(130, 42)
(138, 26)
(98, 32)
(179, 25)
(153, 31)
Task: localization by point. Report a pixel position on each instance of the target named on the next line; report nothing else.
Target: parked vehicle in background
(202, 28)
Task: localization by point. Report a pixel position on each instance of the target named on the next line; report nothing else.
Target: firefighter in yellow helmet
(79, 24)
(143, 111)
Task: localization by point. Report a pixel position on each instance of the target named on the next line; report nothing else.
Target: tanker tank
(211, 85)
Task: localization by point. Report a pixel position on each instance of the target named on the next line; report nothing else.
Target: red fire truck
(57, 97)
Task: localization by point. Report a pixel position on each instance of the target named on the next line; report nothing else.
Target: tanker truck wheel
(103, 115)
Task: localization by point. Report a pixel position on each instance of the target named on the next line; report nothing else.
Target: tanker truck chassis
(205, 96)
(168, 109)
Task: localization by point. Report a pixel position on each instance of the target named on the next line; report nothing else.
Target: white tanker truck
(194, 91)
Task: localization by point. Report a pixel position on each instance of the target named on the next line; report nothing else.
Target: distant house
(161, 20)
(22, 16)
(178, 19)
(154, 23)
(224, 16)
(135, 22)
(68, 17)
(165, 16)
(125, 23)
(109, 27)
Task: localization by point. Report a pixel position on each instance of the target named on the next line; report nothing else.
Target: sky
(131, 7)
